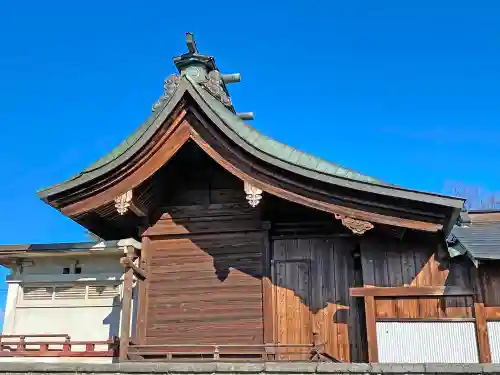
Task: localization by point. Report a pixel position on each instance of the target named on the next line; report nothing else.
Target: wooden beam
(127, 201)
(482, 333)
(132, 174)
(483, 345)
(371, 329)
(273, 188)
(492, 312)
(138, 208)
(129, 263)
(126, 314)
(425, 319)
(405, 291)
(267, 292)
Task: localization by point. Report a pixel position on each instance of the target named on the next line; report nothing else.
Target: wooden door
(292, 297)
(327, 310)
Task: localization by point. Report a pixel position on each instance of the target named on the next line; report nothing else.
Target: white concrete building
(63, 294)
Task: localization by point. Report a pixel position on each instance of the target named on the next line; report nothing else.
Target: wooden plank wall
(390, 263)
(205, 267)
(206, 290)
(489, 285)
(205, 261)
(311, 290)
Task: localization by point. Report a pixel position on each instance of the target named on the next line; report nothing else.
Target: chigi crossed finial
(191, 43)
(202, 69)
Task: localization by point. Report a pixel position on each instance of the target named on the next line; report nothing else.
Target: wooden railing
(269, 352)
(55, 345)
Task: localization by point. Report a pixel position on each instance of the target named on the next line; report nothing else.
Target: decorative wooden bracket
(126, 201)
(254, 194)
(127, 262)
(355, 225)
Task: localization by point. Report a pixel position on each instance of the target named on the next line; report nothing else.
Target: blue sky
(406, 91)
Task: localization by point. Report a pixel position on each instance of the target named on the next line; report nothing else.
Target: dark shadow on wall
(112, 320)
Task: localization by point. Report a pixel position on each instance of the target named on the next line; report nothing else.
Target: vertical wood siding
(394, 263)
(489, 285)
(489, 280)
(311, 280)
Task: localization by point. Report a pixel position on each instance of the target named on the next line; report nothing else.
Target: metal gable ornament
(214, 85)
(169, 87)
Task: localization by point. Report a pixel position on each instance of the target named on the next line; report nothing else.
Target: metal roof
(261, 146)
(264, 143)
(480, 240)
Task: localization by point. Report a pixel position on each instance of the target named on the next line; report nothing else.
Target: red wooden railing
(55, 345)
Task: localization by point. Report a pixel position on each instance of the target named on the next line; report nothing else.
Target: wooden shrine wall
(204, 259)
(392, 263)
(205, 267)
(311, 281)
(489, 288)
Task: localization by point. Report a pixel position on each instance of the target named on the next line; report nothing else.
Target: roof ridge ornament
(215, 86)
(191, 43)
(169, 87)
(203, 71)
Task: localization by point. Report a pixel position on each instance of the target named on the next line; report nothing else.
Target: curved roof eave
(232, 126)
(123, 151)
(252, 141)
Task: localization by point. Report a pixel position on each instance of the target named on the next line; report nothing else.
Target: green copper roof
(140, 135)
(275, 148)
(251, 140)
(248, 134)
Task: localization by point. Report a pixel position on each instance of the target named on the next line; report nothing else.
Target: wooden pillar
(126, 313)
(371, 329)
(140, 334)
(267, 291)
(483, 344)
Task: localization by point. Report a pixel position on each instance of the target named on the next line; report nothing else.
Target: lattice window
(38, 293)
(70, 292)
(77, 291)
(103, 291)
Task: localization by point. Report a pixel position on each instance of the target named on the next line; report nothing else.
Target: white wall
(43, 300)
(82, 323)
(97, 265)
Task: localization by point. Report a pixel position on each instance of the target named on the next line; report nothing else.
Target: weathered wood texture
(311, 292)
(205, 258)
(390, 263)
(126, 313)
(489, 288)
(206, 290)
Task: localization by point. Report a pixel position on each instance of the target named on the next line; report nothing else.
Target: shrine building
(222, 244)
